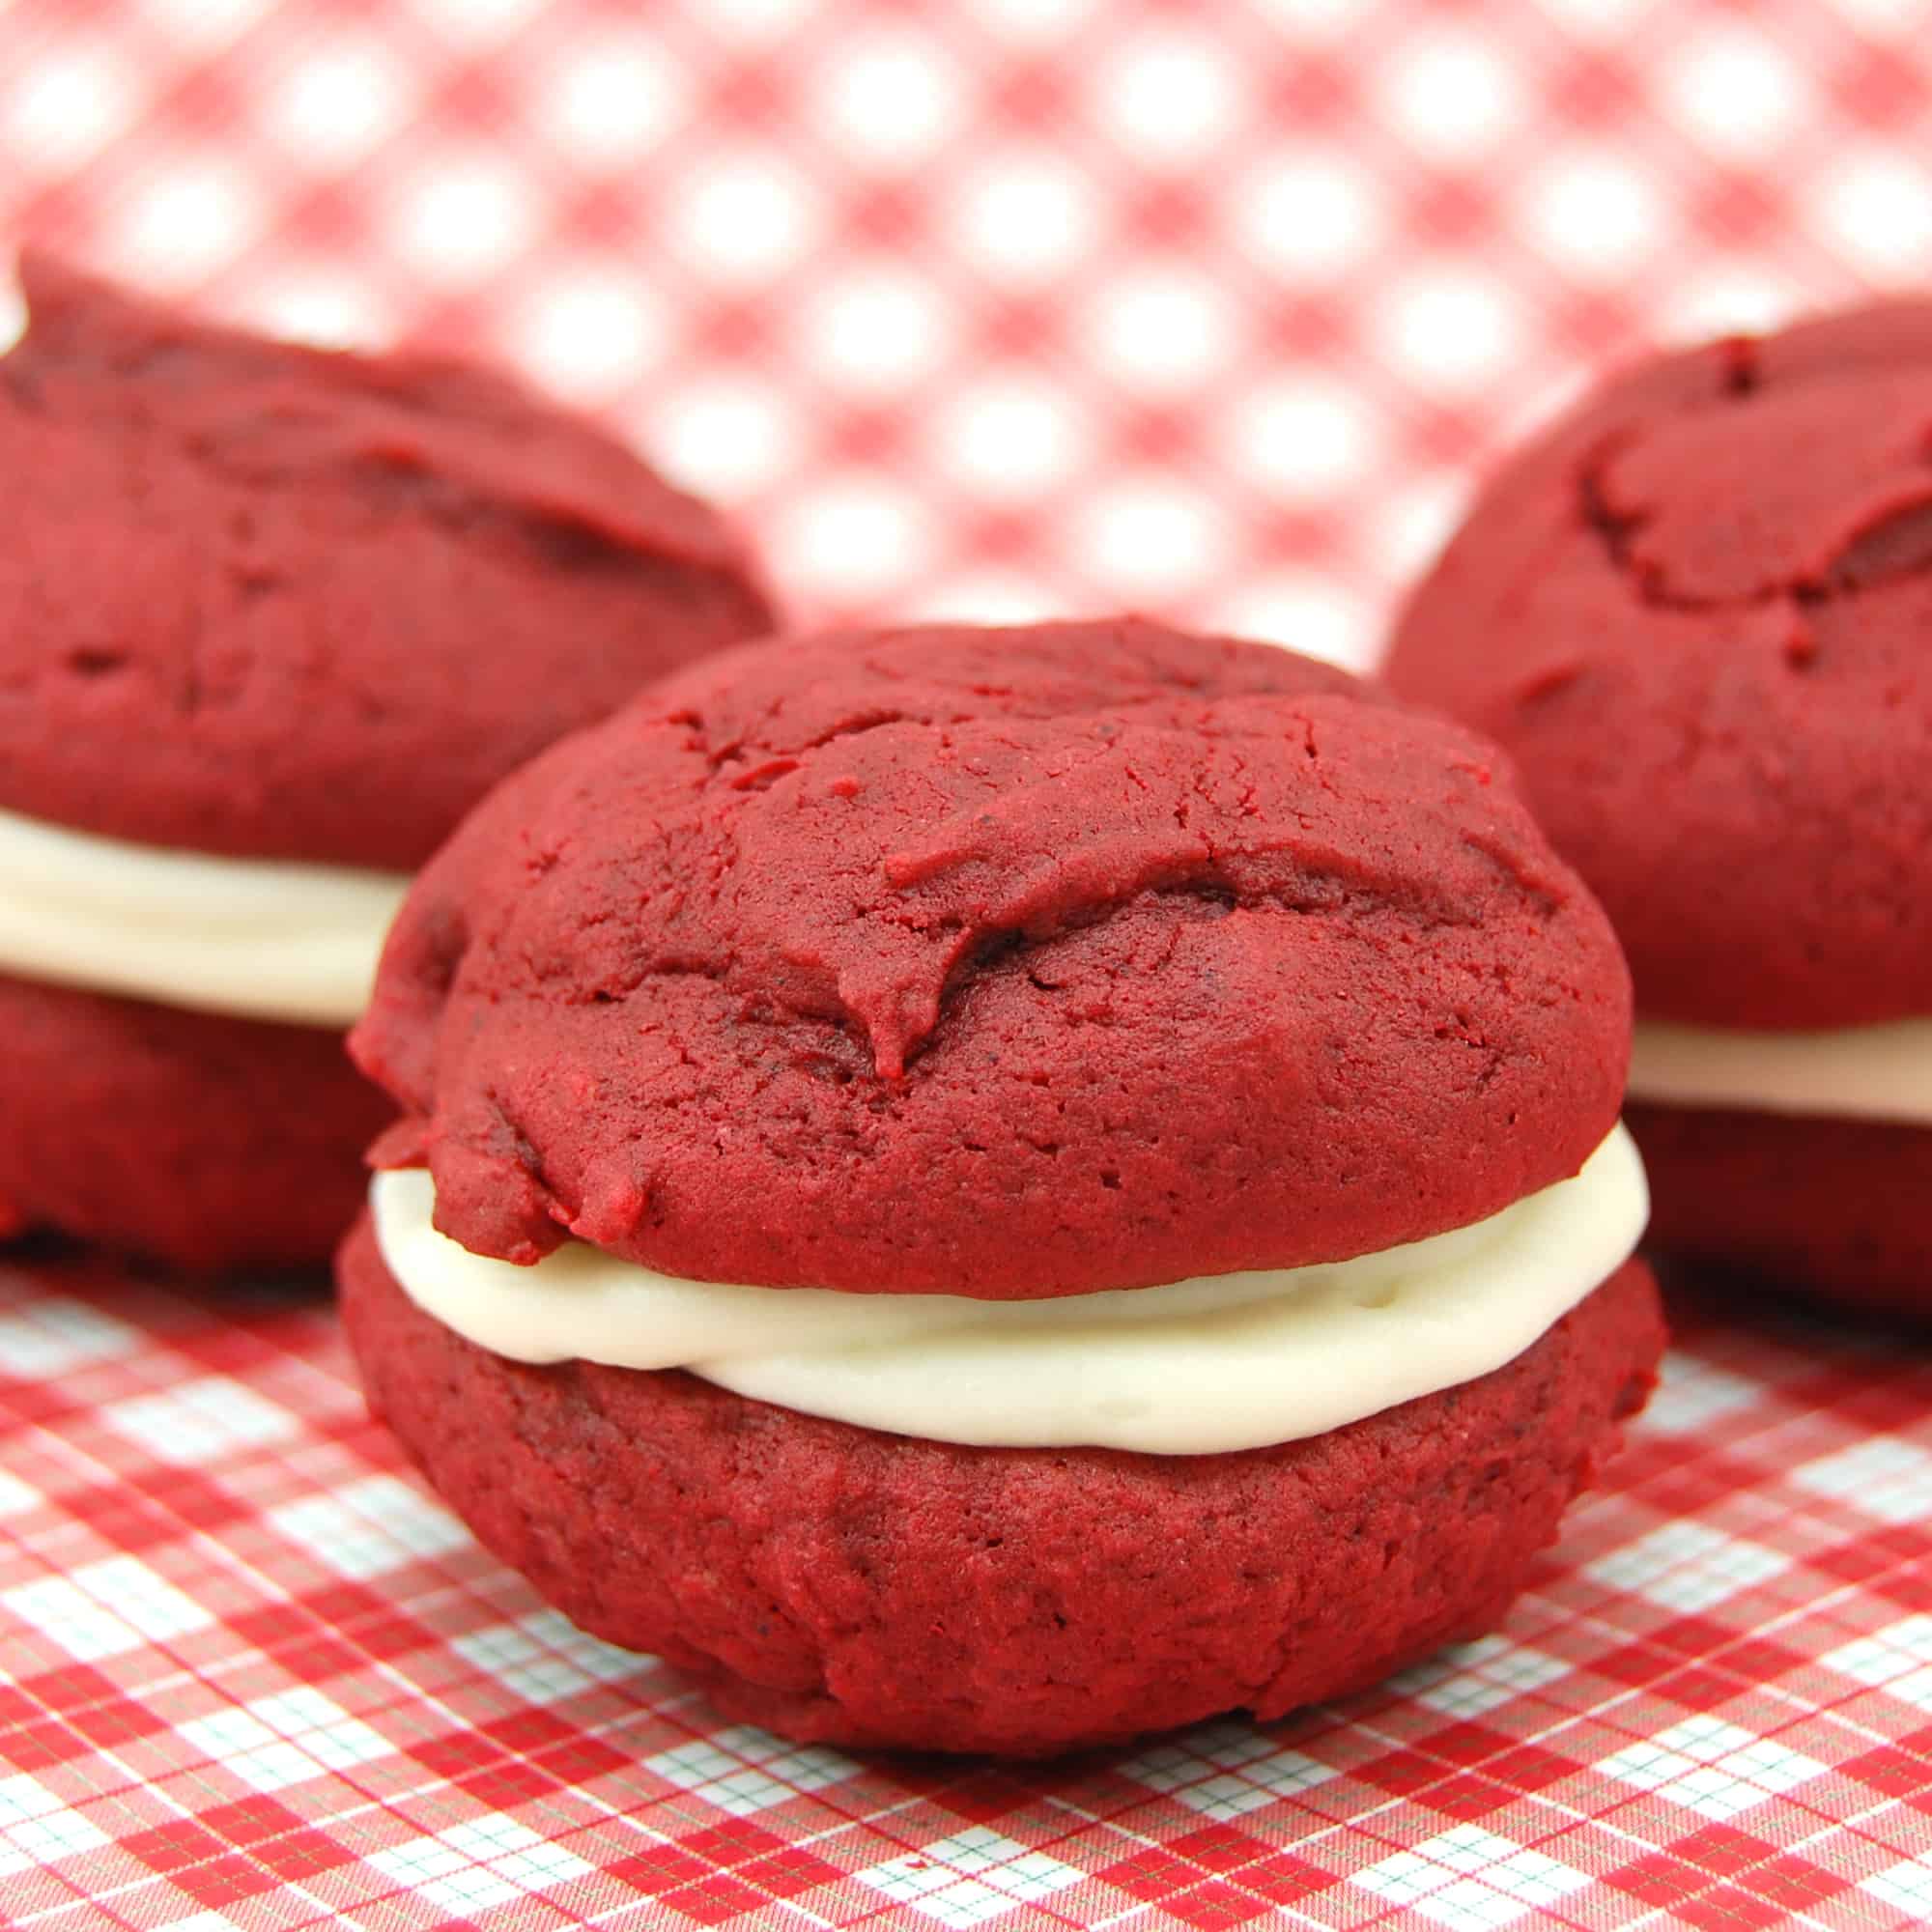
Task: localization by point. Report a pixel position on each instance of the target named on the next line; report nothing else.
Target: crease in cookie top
(1838, 495)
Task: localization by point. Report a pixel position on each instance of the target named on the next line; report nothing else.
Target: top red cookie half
(1008, 964)
(264, 600)
(1698, 613)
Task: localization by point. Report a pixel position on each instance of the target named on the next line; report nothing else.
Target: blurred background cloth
(1017, 306)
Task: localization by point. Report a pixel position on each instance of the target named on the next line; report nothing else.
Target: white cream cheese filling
(1199, 1367)
(1871, 1073)
(259, 938)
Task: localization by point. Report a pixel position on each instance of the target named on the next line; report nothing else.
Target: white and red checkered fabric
(1015, 307)
(252, 1675)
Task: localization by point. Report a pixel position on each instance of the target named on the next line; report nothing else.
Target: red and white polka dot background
(988, 309)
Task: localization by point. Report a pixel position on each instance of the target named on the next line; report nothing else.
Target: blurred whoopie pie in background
(271, 618)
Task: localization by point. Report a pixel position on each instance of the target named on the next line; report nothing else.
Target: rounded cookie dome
(1695, 613)
(1006, 964)
(268, 601)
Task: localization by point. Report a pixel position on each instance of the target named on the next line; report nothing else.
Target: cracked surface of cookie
(266, 601)
(1695, 613)
(1008, 964)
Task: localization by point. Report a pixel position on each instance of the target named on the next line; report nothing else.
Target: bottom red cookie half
(204, 1142)
(842, 1585)
(1839, 1208)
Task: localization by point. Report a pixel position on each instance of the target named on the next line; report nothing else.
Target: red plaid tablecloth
(1025, 305)
(252, 1674)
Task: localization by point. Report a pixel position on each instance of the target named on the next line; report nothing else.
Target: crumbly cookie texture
(1007, 964)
